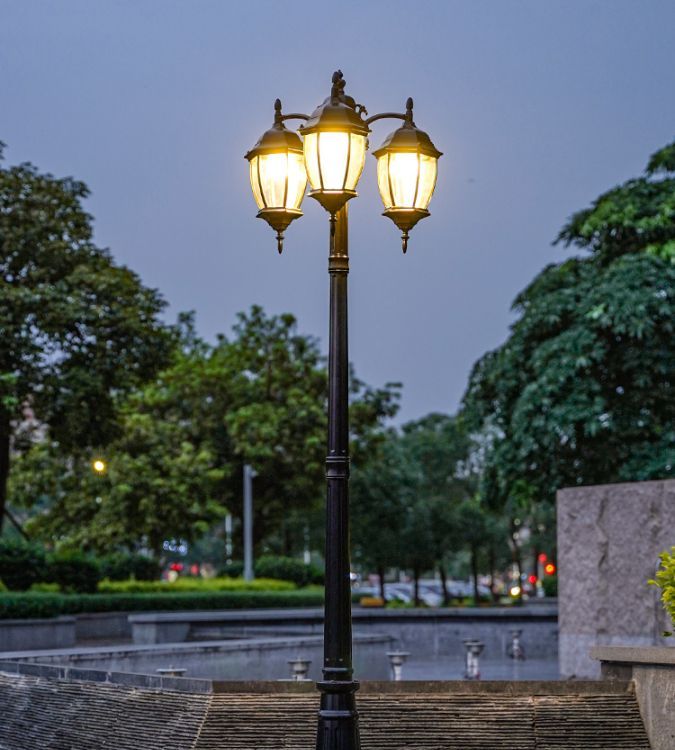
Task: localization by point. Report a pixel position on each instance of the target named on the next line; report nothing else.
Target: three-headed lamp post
(329, 149)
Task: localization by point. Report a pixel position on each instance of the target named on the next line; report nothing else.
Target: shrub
(550, 585)
(665, 580)
(21, 564)
(193, 584)
(288, 569)
(316, 575)
(122, 566)
(233, 569)
(45, 588)
(26, 605)
(73, 571)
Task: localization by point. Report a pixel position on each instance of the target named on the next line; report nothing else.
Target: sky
(538, 106)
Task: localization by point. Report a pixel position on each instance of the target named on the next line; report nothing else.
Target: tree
(582, 390)
(381, 490)
(406, 498)
(77, 331)
(157, 486)
(176, 466)
(440, 446)
(473, 521)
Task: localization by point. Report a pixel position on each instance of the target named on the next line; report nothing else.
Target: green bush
(45, 588)
(73, 571)
(665, 580)
(233, 569)
(122, 566)
(21, 564)
(288, 569)
(550, 585)
(33, 605)
(316, 575)
(193, 584)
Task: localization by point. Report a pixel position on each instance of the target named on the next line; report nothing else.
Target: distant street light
(332, 156)
(99, 466)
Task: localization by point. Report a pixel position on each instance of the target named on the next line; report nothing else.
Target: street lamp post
(331, 154)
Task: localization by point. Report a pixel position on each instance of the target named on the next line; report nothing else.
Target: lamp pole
(338, 719)
(331, 156)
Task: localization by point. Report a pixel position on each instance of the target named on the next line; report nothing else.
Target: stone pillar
(609, 540)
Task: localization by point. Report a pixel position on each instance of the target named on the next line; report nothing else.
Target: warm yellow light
(515, 591)
(334, 160)
(278, 180)
(406, 180)
(99, 466)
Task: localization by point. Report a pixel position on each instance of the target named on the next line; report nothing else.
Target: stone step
(56, 714)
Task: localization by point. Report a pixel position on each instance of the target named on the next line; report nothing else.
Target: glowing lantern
(278, 176)
(335, 143)
(407, 166)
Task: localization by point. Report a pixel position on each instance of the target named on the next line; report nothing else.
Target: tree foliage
(175, 469)
(582, 391)
(415, 504)
(76, 329)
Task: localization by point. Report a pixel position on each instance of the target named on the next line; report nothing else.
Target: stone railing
(652, 669)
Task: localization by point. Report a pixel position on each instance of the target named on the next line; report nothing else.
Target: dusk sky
(538, 106)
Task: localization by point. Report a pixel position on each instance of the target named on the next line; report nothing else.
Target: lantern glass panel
(297, 180)
(255, 185)
(274, 172)
(403, 174)
(406, 180)
(333, 157)
(383, 180)
(310, 146)
(427, 180)
(357, 160)
(334, 160)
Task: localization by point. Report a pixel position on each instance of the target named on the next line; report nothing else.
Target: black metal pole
(338, 720)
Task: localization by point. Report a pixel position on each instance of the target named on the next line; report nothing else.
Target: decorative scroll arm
(407, 117)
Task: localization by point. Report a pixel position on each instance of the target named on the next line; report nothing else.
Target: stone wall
(24, 635)
(609, 540)
(252, 659)
(426, 633)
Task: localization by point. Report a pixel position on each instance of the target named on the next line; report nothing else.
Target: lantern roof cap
(338, 112)
(277, 139)
(408, 138)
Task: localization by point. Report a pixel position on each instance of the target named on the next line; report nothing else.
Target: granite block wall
(609, 540)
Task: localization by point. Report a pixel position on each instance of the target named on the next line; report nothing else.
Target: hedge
(21, 564)
(288, 569)
(24, 564)
(190, 583)
(27, 605)
(121, 566)
(73, 572)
